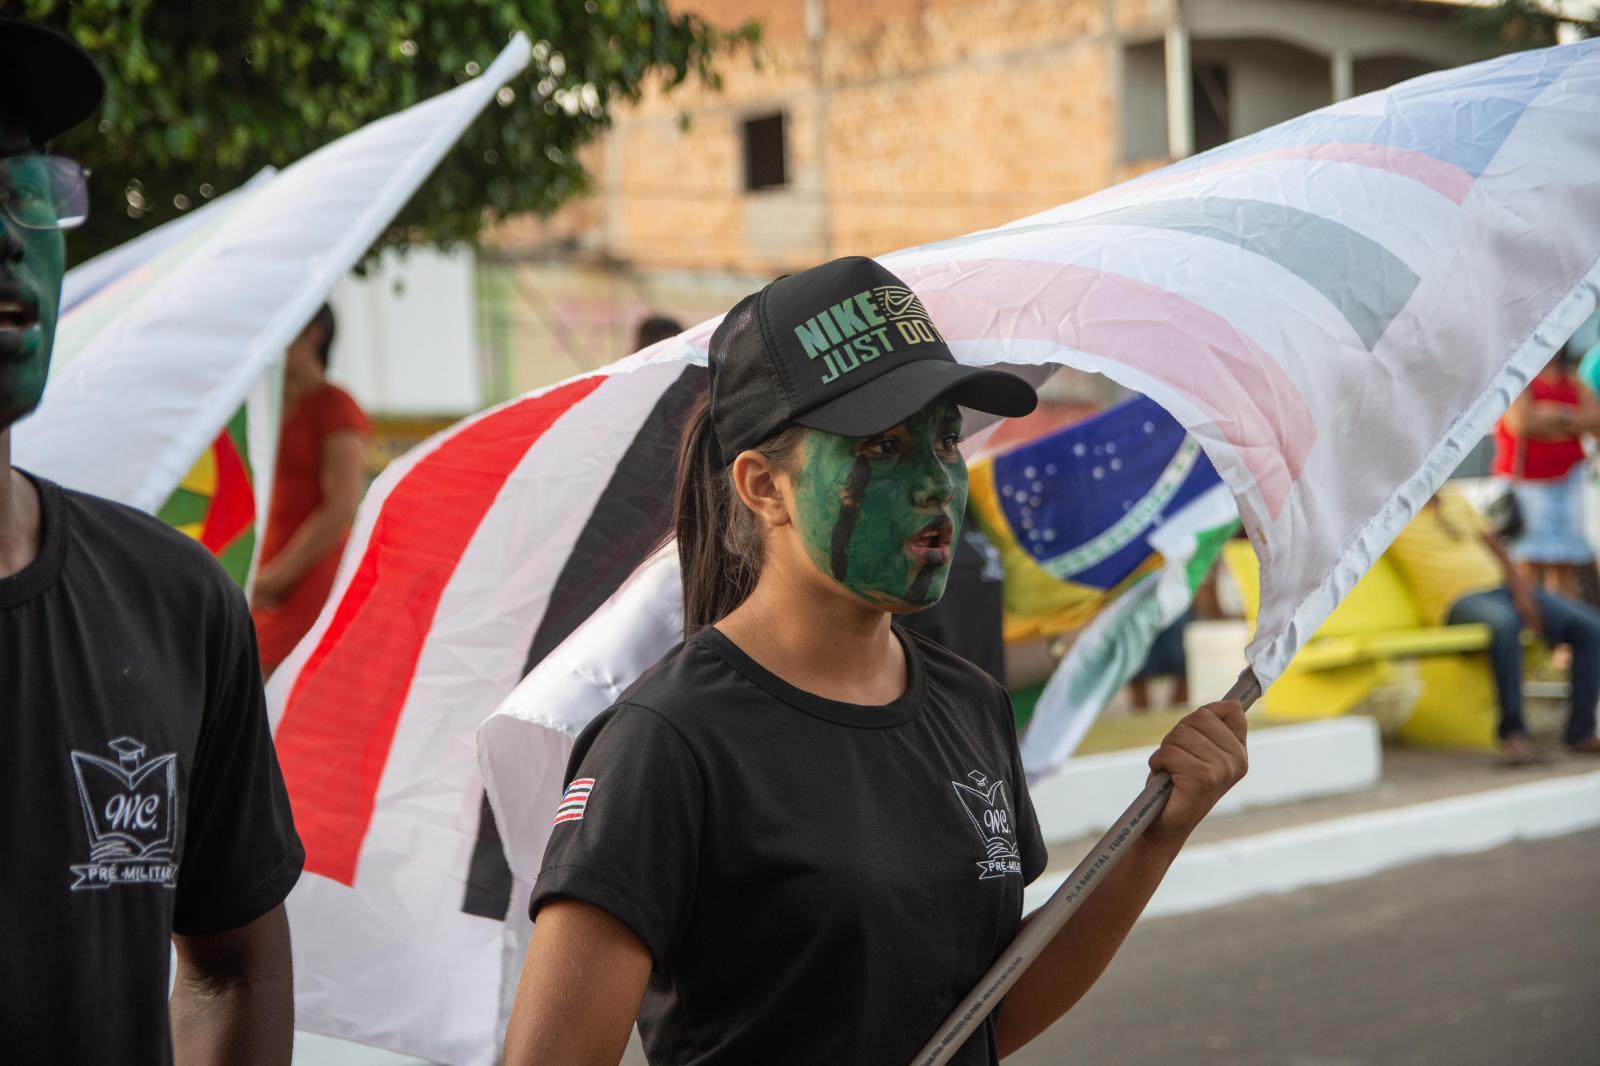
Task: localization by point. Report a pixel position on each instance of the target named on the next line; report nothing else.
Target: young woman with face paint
(804, 834)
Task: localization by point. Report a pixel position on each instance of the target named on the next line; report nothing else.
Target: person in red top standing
(1539, 448)
(322, 453)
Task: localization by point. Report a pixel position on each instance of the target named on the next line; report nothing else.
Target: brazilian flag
(1072, 512)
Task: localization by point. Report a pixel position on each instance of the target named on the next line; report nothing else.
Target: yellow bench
(1376, 648)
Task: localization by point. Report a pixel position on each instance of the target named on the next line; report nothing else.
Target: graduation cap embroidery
(988, 807)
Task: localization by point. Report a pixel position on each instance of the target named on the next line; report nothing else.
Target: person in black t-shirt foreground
(140, 801)
(803, 835)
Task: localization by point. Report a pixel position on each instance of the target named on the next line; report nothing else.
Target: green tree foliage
(1531, 23)
(201, 94)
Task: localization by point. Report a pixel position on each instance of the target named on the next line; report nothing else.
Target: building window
(1211, 125)
(766, 162)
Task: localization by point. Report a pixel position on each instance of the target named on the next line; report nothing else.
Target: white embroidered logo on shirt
(989, 810)
(574, 800)
(130, 809)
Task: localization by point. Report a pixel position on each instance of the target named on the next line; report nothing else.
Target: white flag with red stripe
(1336, 308)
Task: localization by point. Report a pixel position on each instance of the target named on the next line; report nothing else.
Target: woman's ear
(756, 479)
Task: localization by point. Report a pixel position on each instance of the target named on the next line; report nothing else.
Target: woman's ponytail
(719, 539)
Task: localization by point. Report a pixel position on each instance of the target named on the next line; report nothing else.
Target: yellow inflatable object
(1374, 648)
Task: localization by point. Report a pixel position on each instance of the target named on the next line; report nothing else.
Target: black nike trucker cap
(46, 81)
(844, 347)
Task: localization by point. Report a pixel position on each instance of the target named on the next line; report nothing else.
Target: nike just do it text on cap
(844, 347)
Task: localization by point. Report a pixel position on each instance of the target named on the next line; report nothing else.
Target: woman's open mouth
(17, 316)
(19, 330)
(931, 547)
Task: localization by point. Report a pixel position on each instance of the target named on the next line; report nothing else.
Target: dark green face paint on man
(880, 514)
(32, 262)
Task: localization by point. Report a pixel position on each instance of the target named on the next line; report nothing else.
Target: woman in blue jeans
(1559, 621)
(1460, 573)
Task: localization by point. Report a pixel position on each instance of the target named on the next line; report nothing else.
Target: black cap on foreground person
(844, 347)
(47, 81)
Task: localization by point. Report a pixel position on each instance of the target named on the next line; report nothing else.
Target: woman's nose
(935, 484)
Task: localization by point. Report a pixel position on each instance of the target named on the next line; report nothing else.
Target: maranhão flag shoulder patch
(574, 800)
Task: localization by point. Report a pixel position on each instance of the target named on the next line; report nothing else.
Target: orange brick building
(863, 126)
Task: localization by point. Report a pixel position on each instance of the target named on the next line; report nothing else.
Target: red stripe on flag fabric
(343, 709)
(1196, 352)
(233, 500)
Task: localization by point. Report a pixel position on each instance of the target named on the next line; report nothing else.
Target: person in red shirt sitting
(322, 454)
(1539, 449)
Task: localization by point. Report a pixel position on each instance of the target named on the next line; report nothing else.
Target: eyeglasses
(44, 191)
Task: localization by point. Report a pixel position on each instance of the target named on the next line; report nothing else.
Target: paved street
(1479, 960)
(1482, 959)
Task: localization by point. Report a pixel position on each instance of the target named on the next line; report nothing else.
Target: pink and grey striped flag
(1336, 309)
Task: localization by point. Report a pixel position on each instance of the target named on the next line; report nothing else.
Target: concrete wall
(546, 320)
(406, 341)
(1268, 81)
(1327, 26)
(906, 121)
(1380, 71)
(1143, 118)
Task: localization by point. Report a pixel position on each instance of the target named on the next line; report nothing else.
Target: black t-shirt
(816, 881)
(139, 791)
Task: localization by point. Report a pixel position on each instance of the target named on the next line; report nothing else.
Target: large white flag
(1336, 308)
(167, 336)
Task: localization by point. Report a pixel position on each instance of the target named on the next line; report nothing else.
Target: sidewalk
(1408, 776)
(1424, 804)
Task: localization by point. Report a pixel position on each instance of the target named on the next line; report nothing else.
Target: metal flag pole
(1062, 904)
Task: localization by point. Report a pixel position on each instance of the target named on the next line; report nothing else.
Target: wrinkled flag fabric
(170, 348)
(1112, 648)
(222, 500)
(1336, 309)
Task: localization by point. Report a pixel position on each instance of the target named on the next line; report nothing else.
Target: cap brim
(888, 400)
(46, 80)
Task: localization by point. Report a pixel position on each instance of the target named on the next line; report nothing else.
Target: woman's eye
(883, 446)
(951, 442)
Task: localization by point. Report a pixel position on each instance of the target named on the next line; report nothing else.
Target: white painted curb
(1342, 849)
(1287, 763)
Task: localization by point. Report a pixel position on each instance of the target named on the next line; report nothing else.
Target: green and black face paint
(880, 514)
(31, 269)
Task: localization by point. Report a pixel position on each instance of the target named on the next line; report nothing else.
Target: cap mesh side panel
(748, 404)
